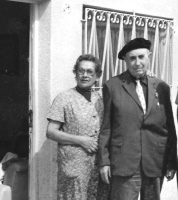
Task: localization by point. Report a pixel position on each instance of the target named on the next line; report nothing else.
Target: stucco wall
(67, 31)
(60, 43)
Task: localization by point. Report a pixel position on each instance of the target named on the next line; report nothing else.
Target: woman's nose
(85, 73)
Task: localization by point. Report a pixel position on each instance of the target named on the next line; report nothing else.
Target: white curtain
(106, 32)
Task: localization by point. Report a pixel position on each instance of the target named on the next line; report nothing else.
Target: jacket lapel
(151, 93)
(130, 87)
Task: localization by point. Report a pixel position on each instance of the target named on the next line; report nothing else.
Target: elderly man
(137, 144)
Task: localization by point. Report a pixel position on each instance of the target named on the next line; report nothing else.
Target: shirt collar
(143, 79)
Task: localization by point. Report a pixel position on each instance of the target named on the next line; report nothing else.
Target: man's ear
(149, 54)
(97, 79)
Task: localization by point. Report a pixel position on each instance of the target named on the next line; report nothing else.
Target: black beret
(136, 43)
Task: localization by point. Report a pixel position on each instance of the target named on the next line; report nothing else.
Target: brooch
(156, 94)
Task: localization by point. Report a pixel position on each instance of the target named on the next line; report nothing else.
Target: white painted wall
(59, 45)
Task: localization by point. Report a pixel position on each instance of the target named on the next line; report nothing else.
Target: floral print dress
(77, 173)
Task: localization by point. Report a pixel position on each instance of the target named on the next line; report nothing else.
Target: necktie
(139, 91)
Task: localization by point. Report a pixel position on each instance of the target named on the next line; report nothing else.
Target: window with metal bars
(107, 31)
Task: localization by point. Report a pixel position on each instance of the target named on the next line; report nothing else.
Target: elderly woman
(74, 122)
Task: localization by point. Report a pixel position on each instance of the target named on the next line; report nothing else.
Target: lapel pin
(156, 94)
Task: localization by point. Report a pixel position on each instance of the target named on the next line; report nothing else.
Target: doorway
(14, 74)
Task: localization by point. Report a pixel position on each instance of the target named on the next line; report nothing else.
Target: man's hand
(105, 173)
(170, 174)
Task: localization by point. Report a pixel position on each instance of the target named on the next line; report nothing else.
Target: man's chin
(139, 75)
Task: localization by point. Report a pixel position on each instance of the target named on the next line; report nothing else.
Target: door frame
(33, 95)
(33, 99)
(27, 1)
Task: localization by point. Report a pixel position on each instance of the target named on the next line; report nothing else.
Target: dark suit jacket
(128, 137)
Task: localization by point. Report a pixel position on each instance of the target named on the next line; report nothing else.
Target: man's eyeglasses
(88, 71)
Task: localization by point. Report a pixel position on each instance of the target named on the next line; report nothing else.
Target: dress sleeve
(57, 109)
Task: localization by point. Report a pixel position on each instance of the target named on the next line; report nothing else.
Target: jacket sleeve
(172, 139)
(104, 137)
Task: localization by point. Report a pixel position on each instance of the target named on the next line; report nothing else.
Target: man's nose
(137, 62)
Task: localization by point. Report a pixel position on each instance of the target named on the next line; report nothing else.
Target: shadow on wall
(47, 169)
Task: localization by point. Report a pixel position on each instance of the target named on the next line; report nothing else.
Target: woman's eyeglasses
(88, 71)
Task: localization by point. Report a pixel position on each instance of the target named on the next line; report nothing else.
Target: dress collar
(85, 93)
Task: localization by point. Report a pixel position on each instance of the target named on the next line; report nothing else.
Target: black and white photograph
(89, 100)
